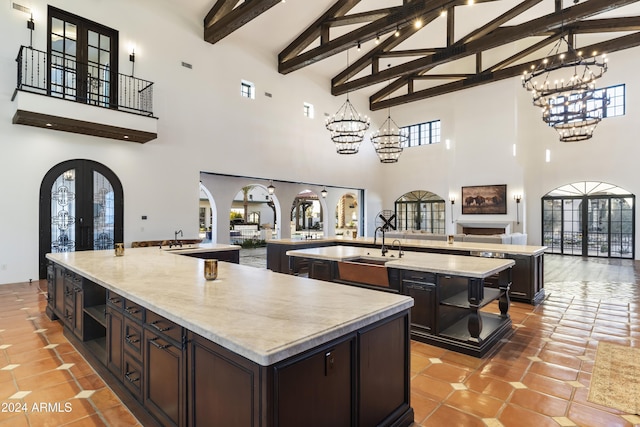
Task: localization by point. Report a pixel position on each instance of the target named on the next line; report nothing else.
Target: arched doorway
(593, 219)
(81, 208)
(420, 210)
(307, 215)
(347, 214)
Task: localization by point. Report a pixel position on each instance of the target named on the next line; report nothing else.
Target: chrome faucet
(375, 235)
(400, 253)
(175, 238)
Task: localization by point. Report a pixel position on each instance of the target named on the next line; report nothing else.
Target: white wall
(204, 125)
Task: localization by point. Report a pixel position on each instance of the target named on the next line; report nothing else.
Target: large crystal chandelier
(564, 86)
(347, 127)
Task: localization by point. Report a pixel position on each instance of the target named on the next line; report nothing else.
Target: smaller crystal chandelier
(570, 102)
(389, 141)
(347, 127)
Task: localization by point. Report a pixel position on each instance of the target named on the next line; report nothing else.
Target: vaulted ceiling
(419, 49)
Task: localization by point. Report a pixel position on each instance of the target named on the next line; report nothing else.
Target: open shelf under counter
(462, 299)
(98, 313)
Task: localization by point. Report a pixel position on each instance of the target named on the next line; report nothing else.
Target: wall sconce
(452, 199)
(271, 189)
(31, 25)
(132, 58)
(324, 193)
(517, 198)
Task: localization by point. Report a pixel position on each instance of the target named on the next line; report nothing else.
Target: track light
(377, 39)
(358, 46)
(397, 33)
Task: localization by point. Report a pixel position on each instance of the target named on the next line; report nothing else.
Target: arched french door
(420, 210)
(593, 219)
(81, 208)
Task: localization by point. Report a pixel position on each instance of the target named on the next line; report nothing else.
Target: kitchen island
(449, 290)
(252, 348)
(527, 273)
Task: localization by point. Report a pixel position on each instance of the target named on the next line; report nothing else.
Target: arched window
(589, 219)
(420, 210)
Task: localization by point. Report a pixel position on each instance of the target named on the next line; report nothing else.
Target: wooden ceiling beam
(620, 43)
(378, 52)
(362, 17)
(494, 24)
(492, 40)
(630, 23)
(220, 9)
(222, 21)
(402, 17)
(339, 8)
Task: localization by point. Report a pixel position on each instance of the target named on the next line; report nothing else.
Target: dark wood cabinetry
(527, 277)
(115, 351)
(163, 370)
(224, 387)
(228, 256)
(447, 310)
(175, 377)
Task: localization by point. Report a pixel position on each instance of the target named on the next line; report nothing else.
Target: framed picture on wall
(484, 199)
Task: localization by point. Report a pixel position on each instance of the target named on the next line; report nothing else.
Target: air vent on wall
(268, 95)
(187, 65)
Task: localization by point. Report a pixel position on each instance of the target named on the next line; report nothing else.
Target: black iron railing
(63, 77)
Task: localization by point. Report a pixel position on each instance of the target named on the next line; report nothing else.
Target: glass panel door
(81, 208)
(103, 212)
(572, 226)
(63, 210)
(598, 227)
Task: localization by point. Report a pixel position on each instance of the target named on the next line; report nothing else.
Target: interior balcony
(104, 103)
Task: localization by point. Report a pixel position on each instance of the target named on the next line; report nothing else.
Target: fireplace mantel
(484, 227)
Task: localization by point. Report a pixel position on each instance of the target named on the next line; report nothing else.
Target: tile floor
(538, 377)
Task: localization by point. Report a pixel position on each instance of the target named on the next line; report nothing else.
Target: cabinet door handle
(131, 341)
(114, 301)
(158, 328)
(128, 377)
(160, 346)
(132, 310)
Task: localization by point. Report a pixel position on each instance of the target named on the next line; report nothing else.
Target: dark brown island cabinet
(527, 273)
(169, 375)
(449, 291)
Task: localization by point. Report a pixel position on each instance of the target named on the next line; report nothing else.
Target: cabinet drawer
(133, 375)
(133, 338)
(160, 325)
(115, 300)
(419, 276)
(133, 310)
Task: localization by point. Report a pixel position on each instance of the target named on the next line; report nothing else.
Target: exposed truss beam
(505, 17)
(402, 17)
(223, 19)
(496, 38)
(362, 17)
(315, 30)
(620, 43)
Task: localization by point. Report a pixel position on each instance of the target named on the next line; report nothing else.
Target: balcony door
(81, 208)
(82, 59)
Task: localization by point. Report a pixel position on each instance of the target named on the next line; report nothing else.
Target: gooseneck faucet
(175, 238)
(400, 253)
(375, 235)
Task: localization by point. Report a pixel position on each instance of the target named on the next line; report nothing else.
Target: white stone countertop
(197, 248)
(455, 265)
(256, 313)
(528, 250)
